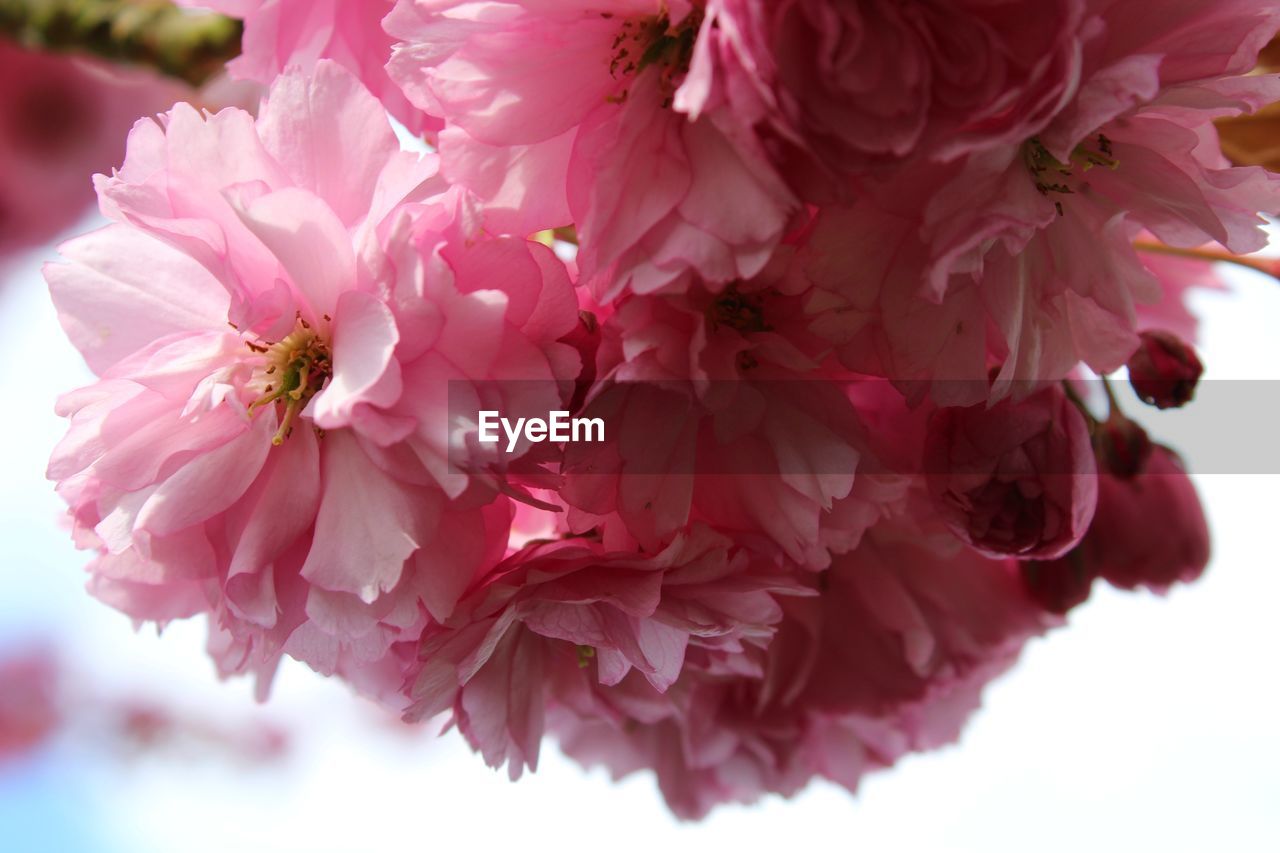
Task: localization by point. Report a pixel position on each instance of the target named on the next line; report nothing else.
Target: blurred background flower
(61, 120)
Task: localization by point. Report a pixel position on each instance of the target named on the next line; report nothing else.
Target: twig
(151, 33)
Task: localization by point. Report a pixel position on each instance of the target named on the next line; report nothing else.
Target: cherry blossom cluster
(831, 275)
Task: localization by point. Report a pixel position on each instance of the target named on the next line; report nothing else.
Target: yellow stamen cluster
(296, 368)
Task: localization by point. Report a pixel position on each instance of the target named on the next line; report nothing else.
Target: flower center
(743, 312)
(646, 42)
(294, 370)
(1055, 177)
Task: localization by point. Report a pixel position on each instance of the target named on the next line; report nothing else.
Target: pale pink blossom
(1134, 149)
(30, 712)
(565, 113)
(1179, 279)
(289, 34)
(556, 617)
(275, 316)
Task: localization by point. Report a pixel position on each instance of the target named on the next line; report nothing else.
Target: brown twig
(151, 33)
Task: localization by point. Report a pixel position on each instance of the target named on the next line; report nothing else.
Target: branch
(151, 33)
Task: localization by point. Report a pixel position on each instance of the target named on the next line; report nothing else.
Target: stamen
(655, 42)
(286, 423)
(302, 363)
(1051, 175)
(741, 311)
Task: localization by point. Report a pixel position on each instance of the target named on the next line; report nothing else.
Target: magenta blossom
(1020, 255)
(1016, 479)
(889, 657)
(29, 707)
(836, 89)
(1124, 546)
(1164, 369)
(1127, 548)
(1134, 149)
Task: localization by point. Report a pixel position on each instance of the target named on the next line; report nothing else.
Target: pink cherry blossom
(275, 317)
(724, 408)
(560, 113)
(29, 707)
(829, 274)
(1019, 257)
(1123, 545)
(286, 34)
(1135, 148)
(837, 89)
(558, 616)
(889, 657)
(1017, 478)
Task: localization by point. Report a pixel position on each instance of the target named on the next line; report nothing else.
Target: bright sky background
(1147, 724)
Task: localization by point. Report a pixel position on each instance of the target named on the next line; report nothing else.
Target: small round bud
(1164, 370)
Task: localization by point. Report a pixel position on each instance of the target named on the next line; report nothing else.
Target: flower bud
(1164, 370)
(1150, 530)
(1059, 585)
(1121, 447)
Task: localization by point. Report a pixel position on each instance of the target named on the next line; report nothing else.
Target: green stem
(152, 33)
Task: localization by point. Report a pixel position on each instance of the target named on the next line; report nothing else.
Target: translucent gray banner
(798, 427)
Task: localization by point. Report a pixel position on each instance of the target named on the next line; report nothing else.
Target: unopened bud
(1121, 447)
(1164, 370)
(1058, 585)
